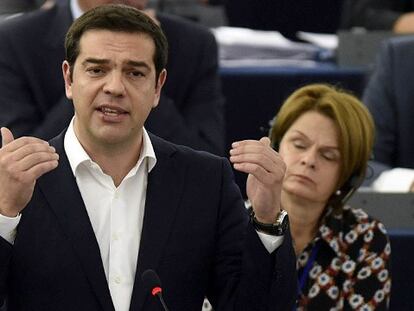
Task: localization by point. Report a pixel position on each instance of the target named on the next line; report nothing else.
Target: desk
(254, 95)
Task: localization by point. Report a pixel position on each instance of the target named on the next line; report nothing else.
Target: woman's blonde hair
(354, 122)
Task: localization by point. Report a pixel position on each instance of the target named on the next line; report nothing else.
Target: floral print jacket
(351, 269)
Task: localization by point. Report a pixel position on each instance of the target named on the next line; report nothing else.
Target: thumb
(265, 141)
(6, 136)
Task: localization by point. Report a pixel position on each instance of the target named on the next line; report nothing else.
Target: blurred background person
(393, 15)
(389, 96)
(12, 7)
(32, 99)
(325, 136)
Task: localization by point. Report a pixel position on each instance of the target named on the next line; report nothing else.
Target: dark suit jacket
(32, 98)
(195, 235)
(390, 98)
(374, 14)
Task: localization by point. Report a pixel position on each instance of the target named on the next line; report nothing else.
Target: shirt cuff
(8, 226)
(270, 242)
(394, 180)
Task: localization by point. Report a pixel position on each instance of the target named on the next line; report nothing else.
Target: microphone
(152, 284)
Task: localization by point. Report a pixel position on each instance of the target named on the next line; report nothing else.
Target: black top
(374, 14)
(285, 16)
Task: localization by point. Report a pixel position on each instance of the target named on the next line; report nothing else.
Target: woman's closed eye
(299, 145)
(330, 155)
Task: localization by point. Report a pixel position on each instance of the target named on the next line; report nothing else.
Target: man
(389, 97)
(107, 200)
(32, 98)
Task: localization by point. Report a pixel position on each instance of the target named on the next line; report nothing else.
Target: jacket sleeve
(380, 99)
(5, 255)
(246, 276)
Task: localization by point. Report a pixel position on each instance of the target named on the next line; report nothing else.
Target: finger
(265, 141)
(40, 169)
(249, 147)
(33, 172)
(270, 164)
(34, 159)
(30, 149)
(22, 141)
(6, 136)
(260, 173)
(256, 149)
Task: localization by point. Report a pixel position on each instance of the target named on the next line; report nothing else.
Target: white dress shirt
(116, 213)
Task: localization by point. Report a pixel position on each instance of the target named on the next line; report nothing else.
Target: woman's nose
(309, 159)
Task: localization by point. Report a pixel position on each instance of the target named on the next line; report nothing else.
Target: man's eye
(136, 74)
(95, 71)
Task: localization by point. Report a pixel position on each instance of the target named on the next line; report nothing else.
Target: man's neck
(115, 160)
(118, 164)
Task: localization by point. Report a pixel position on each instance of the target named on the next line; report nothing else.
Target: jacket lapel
(61, 191)
(164, 190)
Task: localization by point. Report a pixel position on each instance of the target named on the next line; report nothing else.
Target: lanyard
(305, 273)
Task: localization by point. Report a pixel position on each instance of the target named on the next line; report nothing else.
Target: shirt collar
(77, 155)
(75, 9)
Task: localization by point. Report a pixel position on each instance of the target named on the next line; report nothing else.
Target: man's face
(113, 87)
(89, 4)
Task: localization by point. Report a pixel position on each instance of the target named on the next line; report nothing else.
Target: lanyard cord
(305, 273)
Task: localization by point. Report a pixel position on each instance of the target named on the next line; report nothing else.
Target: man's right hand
(22, 162)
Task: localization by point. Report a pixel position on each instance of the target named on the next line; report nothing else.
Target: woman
(325, 137)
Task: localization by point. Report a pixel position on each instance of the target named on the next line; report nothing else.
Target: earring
(338, 192)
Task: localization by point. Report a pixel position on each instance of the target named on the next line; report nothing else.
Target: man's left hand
(266, 171)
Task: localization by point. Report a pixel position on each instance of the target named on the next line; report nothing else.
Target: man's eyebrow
(103, 61)
(98, 61)
(138, 64)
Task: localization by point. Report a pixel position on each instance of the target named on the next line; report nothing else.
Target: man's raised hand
(22, 162)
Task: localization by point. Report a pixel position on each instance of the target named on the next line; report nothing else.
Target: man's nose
(114, 85)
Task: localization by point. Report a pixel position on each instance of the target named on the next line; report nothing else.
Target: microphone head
(151, 282)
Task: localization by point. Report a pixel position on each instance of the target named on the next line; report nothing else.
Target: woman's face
(311, 152)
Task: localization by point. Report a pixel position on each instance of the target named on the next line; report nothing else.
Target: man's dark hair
(120, 18)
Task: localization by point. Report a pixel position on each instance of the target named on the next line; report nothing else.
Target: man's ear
(160, 82)
(66, 70)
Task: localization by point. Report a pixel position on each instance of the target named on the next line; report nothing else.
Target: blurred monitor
(359, 48)
(394, 210)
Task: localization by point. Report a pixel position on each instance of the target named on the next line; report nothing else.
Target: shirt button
(117, 280)
(115, 237)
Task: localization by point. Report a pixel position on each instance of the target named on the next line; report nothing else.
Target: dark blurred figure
(210, 14)
(389, 96)
(285, 16)
(395, 15)
(9, 7)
